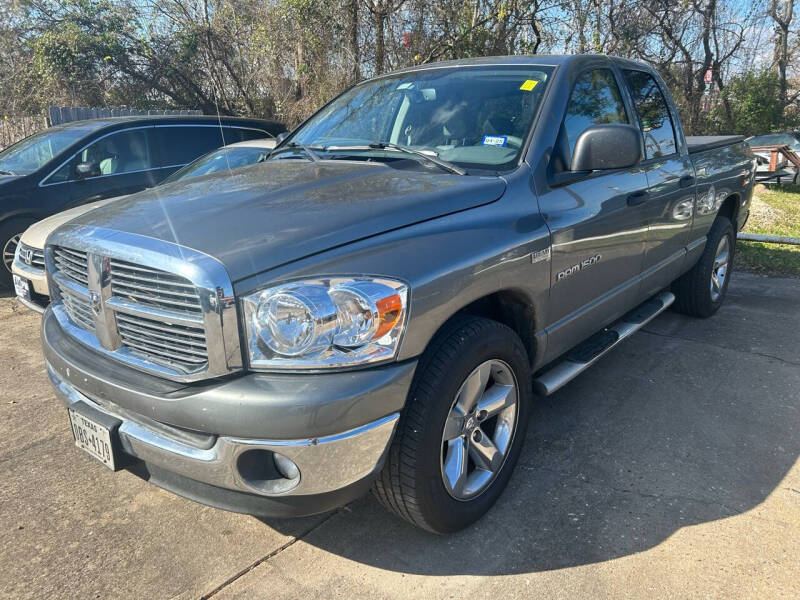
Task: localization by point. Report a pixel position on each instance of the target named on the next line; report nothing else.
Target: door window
(595, 99)
(659, 133)
(237, 134)
(115, 154)
(181, 145)
(123, 152)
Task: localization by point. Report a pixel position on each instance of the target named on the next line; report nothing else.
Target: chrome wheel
(479, 430)
(720, 269)
(9, 249)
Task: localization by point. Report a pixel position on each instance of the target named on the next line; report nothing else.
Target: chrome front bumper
(325, 464)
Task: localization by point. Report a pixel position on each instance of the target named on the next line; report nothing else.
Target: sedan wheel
(9, 249)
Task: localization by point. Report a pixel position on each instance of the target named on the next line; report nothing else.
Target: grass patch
(774, 211)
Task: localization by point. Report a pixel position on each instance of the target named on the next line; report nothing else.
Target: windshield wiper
(309, 150)
(429, 156)
(6, 172)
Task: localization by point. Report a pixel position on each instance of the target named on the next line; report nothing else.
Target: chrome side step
(587, 353)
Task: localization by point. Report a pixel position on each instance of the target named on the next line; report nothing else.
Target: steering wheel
(514, 142)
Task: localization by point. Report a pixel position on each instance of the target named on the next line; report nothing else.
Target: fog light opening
(267, 472)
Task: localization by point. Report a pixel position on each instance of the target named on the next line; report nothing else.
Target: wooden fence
(64, 114)
(14, 128)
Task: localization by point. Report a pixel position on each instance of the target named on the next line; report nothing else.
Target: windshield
(473, 117)
(221, 159)
(34, 152)
(775, 139)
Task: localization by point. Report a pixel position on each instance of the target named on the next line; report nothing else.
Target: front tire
(702, 290)
(462, 428)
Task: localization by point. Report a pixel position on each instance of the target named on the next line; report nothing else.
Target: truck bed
(699, 143)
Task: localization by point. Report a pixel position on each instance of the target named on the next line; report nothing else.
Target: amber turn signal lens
(389, 311)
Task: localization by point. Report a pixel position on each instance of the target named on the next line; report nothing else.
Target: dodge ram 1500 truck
(376, 305)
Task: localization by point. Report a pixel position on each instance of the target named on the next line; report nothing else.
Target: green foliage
(755, 103)
(284, 58)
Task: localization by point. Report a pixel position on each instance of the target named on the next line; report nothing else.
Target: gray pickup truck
(375, 306)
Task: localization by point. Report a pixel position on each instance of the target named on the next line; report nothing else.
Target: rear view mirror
(607, 146)
(87, 169)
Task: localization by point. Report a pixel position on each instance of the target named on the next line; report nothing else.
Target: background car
(84, 161)
(30, 282)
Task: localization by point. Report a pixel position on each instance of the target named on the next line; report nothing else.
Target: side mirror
(607, 146)
(87, 169)
(281, 136)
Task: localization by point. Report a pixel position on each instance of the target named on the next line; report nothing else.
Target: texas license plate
(22, 287)
(93, 437)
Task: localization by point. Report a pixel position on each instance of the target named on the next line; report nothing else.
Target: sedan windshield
(473, 117)
(222, 159)
(34, 152)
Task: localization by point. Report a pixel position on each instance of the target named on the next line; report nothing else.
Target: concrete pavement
(670, 469)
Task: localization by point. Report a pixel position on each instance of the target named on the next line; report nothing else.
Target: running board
(590, 351)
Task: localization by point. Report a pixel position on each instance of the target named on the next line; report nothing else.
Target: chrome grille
(73, 264)
(160, 342)
(37, 258)
(156, 316)
(78, 308)
(154, 288)
(33, 257)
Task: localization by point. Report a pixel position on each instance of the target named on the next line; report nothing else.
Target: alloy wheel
(719, 271)
(9, 249)
(479, 430)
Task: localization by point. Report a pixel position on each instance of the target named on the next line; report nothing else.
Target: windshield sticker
(528, 85)
(494, 140)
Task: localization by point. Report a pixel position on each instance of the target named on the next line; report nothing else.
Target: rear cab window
(653, 111)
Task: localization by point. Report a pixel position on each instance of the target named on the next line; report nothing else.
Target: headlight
(324, 323)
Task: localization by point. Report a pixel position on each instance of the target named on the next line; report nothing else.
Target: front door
(121, 163)
(597, 224)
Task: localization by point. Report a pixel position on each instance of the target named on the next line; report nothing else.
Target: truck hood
(275, 212)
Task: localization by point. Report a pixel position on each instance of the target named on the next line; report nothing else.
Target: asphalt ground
(670, 469)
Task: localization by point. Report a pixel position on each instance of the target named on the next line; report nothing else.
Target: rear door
(597, 223)
(670, 175)
(181, 144)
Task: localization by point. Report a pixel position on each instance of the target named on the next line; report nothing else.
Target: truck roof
(522, 60)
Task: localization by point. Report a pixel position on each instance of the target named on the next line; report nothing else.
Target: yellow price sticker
(528, 85)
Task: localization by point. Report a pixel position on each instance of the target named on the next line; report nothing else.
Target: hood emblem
(94, 298)
(26, 255)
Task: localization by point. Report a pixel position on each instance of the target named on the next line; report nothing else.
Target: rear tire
(10, 232)
(701, 291)
(462, 429)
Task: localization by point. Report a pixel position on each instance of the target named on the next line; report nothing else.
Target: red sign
(707, 77)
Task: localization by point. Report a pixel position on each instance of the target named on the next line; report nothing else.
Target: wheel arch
(511, 307)
(730, 209)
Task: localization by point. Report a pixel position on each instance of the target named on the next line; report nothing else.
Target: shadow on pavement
(664, 433)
